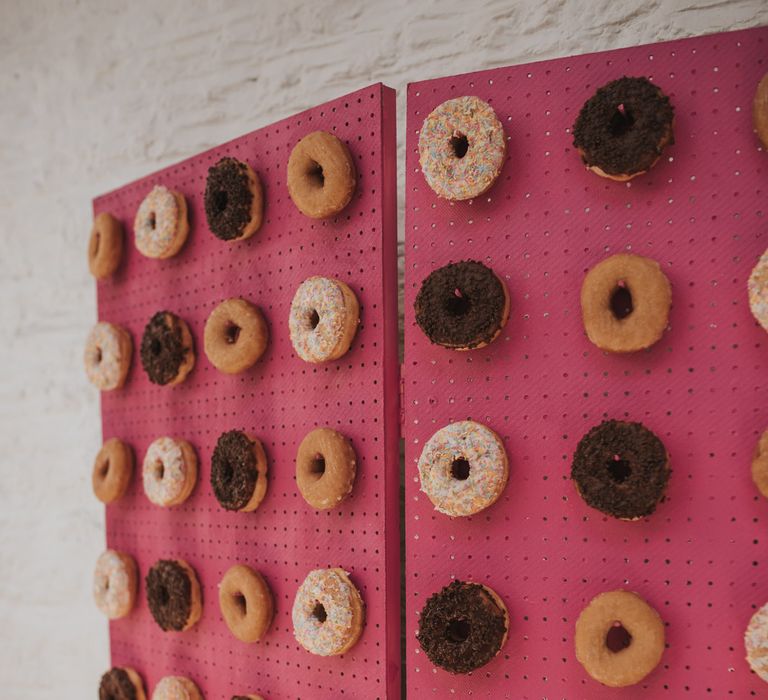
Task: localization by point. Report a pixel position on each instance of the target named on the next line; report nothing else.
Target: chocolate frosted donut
(166, 349)
(173, 595)
(621, 469)
(233, 200)
(462, 627)
(121, 684)
(462, 305)
(239, 471)
(622, 129)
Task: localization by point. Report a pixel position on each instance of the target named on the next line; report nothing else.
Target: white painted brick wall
(94, 94)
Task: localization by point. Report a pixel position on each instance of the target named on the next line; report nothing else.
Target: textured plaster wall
(94, 94)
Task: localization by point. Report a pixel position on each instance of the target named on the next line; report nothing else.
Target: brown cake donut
(325, 468)
(173, 595)
(625, 301)
(112, 470)
(760, 465)
(246, 603)
(121, 684)
(321, 175)
(760, 110)
(167, 351)
(239, 471)
(105, 246)
(619, 638)
(235, 336)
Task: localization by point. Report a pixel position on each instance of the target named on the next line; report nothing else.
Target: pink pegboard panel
(700, 559)
(279, 400)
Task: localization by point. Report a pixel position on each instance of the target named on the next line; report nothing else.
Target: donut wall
(279, 400)
(699, 559)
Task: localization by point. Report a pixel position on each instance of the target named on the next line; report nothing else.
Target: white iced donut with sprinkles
(758, 291)
(169, 471)
(323, 319)
(463, 468)
(114, 583)
(176, 688)
(462, 148)
(108, 351)
(756, 643)
(328, 613)
(161, 225)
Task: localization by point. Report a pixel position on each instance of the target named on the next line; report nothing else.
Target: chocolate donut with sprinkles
(234, 201)
(167, 351)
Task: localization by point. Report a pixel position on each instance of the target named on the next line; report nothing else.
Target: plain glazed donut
(328, 613)
(757, 286)
(619, 638)
(173, 595)
(321, 175)
(325, 468)
(114, 583)
(234, 201)
(176, 688)
(108, 351)
(235, 336)
(323, 319)
(756, 642)
(169, 471)
(760, 465)
(462, 148)
(625, 302)
(112, 470)
(167, 350)
(161, 225)
(623, 128)
(463, 468)
(105, 246)
(121, 684)
(760, 110)
(463, 626)
(462, 306)
(246, 603)
(239, 471)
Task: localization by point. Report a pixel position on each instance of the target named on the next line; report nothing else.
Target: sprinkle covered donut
(234, 201)
(173, 595)
(325, 468)
(112, 470)
(623, 128)
(760, 110)
(323, 319)
(625, 302)
(105, 246)
(328, 613)
(169, 471)
(235, 336)
(246, 603)
(239, 471)
(463, 626)
(619, 638)
(462, 147)
(114, 583)
(161, 225)
(108, 351)
(760, 464)
(758, 291)
(462, 305)
(176, 688)
(167, 350)
(321, 175)
(756, 642)
(463, 468)
(121, 684)
(621, 469)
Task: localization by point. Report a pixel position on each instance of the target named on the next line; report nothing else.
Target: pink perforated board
(279, 401)
(700, 559)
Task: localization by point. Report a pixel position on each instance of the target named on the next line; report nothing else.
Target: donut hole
(315, 175)
(313, 320)
(227, 472)
(159, 470)
(457, 304)
(232, 333)
(152, 220)
(155, 346)
(104, 469)
(460, 469)
(318, 612)
(459, 144)
(618, 638)
(163, 596)
(240, 603)
(220, 201)
(98, 356)
(622, 120)
(95, 243)
(619, 470)
(621, 302)
(458, 631)
(317, 466)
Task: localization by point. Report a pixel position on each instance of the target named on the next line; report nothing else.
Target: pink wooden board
(279, 400)
(700, 559)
